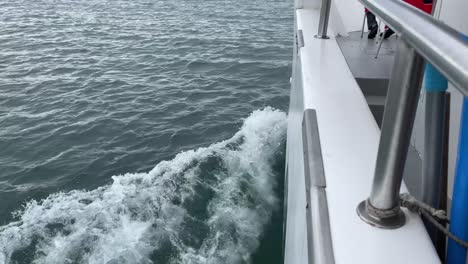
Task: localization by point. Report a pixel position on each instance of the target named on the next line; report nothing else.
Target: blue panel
(456, 254)
(434, 81)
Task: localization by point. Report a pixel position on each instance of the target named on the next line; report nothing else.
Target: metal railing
(439, 44)
(320, 249)
(324, 18)
(423, 39)
(382, 208)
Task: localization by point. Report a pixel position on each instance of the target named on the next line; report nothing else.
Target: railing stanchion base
(396, 220)
(321, 37)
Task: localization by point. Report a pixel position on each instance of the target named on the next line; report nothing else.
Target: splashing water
(204, 206)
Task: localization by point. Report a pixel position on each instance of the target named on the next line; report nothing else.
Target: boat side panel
(295, 250)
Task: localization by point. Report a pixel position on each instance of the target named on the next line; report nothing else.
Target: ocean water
(143, 131)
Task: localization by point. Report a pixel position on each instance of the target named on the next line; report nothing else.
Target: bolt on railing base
(321, 37)
(386, 219)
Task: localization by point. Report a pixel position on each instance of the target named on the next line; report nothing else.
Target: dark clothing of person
(372, 25)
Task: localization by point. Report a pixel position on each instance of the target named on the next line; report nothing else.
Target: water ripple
(96, 88)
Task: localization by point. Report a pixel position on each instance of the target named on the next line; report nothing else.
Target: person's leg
(372, 25)
(371, 21)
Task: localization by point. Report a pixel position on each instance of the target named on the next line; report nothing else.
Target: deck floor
(360, 55)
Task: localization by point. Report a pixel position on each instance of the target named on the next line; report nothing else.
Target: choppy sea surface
(143, 131)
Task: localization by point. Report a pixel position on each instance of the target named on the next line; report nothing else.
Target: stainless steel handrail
(319, 240)
(439, 44)
(422, 37)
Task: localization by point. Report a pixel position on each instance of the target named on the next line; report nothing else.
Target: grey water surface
(143, 131)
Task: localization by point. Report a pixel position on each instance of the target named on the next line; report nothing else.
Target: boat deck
(349, 136)
(371, 73)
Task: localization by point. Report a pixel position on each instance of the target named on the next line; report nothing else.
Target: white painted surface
(336, 23)
(349, 138)
(456, 102)
(417, 137)
(351, 12)
(296, 229)
(345, 15)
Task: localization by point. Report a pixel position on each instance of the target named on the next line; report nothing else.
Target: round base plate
(321, 37)
(392, 222)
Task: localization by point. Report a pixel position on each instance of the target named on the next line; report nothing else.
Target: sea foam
(208, 205)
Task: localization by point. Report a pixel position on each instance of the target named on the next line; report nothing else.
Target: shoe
(372, 32)
(388, 33)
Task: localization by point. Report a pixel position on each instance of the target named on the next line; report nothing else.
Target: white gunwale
(349, 137)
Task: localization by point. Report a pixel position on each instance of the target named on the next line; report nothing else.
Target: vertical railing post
(382, 208)
(433, 147)
(435, 86)
(323, 20)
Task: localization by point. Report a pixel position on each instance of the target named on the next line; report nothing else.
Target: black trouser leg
(371, 21)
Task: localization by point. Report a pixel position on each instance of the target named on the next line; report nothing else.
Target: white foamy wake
(204, 206)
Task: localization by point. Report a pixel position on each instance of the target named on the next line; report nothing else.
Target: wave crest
(204, 206)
